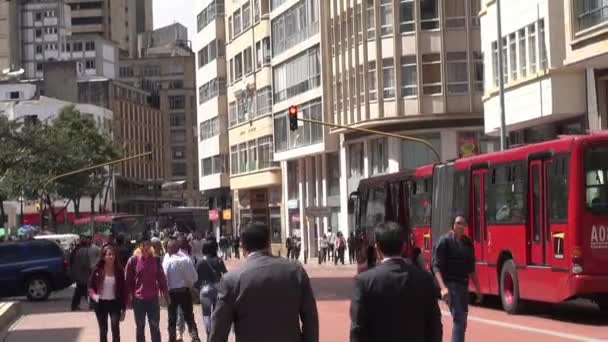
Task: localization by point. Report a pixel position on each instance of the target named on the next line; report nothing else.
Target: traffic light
(293, 118)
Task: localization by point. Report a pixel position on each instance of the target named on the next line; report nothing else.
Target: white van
(66, 241)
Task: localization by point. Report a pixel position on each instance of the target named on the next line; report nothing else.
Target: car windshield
(596, 178)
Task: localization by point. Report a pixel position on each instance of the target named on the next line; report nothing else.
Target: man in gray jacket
(266, 298)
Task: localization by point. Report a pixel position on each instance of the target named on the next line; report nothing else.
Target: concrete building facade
(211, 83)
(544, 96)
(172, 78)
(427, 56)
(9, 36)
(255, 176)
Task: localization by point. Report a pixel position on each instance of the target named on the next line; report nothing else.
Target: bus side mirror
(352, 200)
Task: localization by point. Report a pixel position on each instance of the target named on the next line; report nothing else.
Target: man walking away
(340, 245)
(268, 298)
(453, 263)
(237, 247)
(395, 300)
(81, 267)
(144, 279)
(181, 277)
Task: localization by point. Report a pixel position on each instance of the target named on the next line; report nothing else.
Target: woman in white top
(107, 290)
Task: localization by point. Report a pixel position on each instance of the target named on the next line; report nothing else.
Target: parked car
(33, 268)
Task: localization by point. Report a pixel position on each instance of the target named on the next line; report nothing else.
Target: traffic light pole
(372, 131)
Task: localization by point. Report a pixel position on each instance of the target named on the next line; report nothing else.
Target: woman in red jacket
(107, 289)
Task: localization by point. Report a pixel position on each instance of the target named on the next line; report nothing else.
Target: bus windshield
(596, 178)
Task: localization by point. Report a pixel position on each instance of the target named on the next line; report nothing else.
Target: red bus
(537, 214)
(100, 227)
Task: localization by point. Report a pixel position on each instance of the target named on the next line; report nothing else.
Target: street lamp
(21, 199)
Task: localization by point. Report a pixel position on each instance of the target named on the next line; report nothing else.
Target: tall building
(427, 56)
(211, 76)
(545, 59)
(117, 20)
(255, 176)
(9, 36)
(171, 76)
(301, 76)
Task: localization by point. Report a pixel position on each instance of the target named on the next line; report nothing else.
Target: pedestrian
(394, 301)
(210, 270)
(340, 246)
(237, 247)
(197, 247)
(108, 293)
(351, 247)
(331, 245)
(181, 276)
(268, 298)
(453, 264)
(145, 278)
(186, 249)
(323, 249)
(122, 251)
(81, 265)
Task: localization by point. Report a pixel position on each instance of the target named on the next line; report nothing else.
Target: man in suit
(394, 301)
(267, 298)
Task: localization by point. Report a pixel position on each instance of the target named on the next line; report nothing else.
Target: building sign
(468, 144)
(214, 215)
(227, 214)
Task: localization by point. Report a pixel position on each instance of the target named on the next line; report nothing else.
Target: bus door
(479, 233)
(537, 190)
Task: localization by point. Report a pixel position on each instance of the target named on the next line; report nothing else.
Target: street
(52, 321)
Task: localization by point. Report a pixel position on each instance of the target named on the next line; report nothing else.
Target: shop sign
(227, 214)
(214, 215)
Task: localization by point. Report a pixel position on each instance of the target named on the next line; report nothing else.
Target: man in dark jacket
(394, 301)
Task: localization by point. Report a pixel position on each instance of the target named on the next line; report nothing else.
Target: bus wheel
(509, 288)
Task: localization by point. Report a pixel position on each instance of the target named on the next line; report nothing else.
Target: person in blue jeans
(210, 269)
(453, 266)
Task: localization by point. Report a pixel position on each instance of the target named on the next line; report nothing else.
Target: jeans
(181, 298)
(151, 309)
(458, 301)
(208, 297)
(103, 309)
(81, 291)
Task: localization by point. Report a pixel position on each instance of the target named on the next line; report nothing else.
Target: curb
(9, 312)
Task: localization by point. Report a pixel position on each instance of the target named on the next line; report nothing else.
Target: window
(178, 136)
(542, 48)
(388, 78)
(371, 20)
(371, 81)
(264, 101)
(248, 61)
(297, 75)
(89, 46)
(38, 16)
(207, 54)
(256, 11)
(495, 63)
(243, 157)
(458, 80)
(177, 102)
(409, 76)
(557, 189)
(532, 47)
(455, 14)
(513, 56)
(39, 67)
(77, 46)
(295, 25)
(38, 48)
(478, 69)
(14, 95)
(358, 22)
(213, 165)
(590, 13)
(420, 202)
(522, 53)
(265, 152)
(237, 22)
(505, 59)
(406, 17)
(475, 9)
(89, 64)
(38, 33)
(431, 74)
(177, 119)
(355, 159)
(209, 128)
(414, 154)
(429, 14)
(234, 160)
(230, 28)
(179, 169)
(386, 17)
(595, 168)
(306, 134)
(238, 66)
(178, 152)
(246, 15)
(505, 193)
(211, 89)
(378, 153)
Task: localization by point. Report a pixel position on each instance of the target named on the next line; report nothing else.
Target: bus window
(375, 209)
(557, 189)
(460, 195)
(420, 203)
(505, 194)
(596, 182)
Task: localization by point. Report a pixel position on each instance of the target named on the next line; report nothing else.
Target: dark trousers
(103, 309)
(323, 255)
(79, 293)
(237, 252)
(339, 255)
(181, 298)
(151, 309)
(458, 301)
(351, 254)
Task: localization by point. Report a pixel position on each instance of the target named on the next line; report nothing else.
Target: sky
(167, 12)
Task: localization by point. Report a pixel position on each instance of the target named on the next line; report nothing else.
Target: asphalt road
(52, 321)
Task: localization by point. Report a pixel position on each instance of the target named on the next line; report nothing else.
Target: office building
(9, 36)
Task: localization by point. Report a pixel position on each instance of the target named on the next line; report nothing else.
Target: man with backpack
(144, 279)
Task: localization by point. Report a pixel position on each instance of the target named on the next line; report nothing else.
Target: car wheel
(38, 288)
(509, 288)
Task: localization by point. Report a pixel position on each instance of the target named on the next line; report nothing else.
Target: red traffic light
(293, 110)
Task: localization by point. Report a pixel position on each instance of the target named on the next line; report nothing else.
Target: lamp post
(501, 80)
(21, 199)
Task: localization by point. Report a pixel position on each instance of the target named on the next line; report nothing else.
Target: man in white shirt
(181, 276)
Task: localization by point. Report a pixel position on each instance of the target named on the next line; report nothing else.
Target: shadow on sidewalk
(47, 335)
(329, 288)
